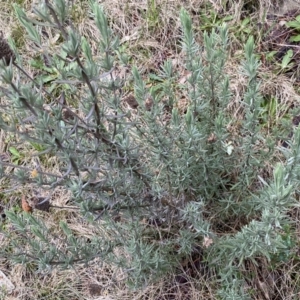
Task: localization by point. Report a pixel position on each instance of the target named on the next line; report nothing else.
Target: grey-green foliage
(157, 180)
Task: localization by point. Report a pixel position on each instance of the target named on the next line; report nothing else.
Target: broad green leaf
(14, 152)
(293, 24)
(295, 38)
(287, 59)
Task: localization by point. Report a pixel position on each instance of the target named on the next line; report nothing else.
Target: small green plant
(242, 30)
(210, 19)
(286, 62)
(17, 35)
(270, 107)
(16, 155)
(295, 25)
(155, 185)
(50, 72)
(152, 14)
(289, 242)
(283, 64)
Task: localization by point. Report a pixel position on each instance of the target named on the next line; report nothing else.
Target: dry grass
(149, 33)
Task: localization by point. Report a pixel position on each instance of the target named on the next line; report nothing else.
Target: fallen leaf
(207, 242)
(25, 205)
